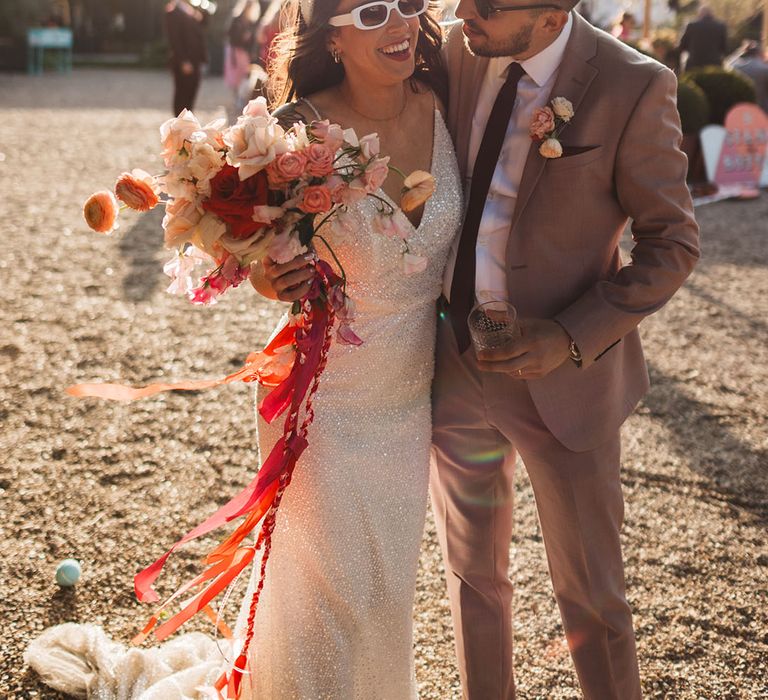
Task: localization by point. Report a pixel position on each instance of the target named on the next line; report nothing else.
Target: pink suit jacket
(621, 161)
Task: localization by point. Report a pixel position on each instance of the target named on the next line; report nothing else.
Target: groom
(543, 233)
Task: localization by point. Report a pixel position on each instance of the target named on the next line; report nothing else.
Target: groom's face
(519, 35)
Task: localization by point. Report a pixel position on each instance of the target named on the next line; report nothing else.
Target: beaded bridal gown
(335, 617)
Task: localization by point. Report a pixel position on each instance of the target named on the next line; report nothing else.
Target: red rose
(233, 200)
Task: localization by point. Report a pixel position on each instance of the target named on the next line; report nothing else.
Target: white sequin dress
(335, 617)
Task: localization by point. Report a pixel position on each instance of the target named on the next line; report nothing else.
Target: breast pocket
(576, 160)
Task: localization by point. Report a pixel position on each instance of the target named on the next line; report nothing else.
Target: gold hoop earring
(336, 56)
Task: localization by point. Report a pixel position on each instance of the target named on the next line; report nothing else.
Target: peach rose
(137, 190)
(319, 159)
(316, 199)
(551, 148)
(100, 211)
(542, 123)
(254, 141)
(181, 218)
(418, 187)
(286, 168)
(375, 174)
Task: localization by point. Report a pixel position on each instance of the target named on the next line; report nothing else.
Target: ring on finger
(519, 373)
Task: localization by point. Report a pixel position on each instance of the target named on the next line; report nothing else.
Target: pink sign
(744, 148)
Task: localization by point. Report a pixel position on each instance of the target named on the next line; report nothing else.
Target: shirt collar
(543, 65)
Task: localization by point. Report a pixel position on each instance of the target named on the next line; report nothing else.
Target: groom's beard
(511, 46)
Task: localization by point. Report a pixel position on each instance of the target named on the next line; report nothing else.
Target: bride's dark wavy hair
(300, 63)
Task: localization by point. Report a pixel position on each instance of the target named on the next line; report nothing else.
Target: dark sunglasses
(485, 9)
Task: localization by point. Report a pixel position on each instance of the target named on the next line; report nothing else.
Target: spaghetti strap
(311, 106)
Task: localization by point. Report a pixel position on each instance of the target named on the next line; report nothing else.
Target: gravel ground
(110, 484)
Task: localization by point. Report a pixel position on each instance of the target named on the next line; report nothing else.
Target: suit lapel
(572, 82)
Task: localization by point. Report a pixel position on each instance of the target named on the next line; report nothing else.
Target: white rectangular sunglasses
(373, 15)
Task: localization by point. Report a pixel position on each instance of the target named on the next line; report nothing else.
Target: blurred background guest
(751, 62)
(625, 27)
(704, 40)
(241, 47)
(185, 30)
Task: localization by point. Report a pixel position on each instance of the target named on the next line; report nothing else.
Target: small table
(53, 38)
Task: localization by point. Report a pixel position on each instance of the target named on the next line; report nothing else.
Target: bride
(335, 616)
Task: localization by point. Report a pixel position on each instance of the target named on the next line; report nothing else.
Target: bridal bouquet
(233, 195)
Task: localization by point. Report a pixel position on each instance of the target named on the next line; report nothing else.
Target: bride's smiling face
(381, 56)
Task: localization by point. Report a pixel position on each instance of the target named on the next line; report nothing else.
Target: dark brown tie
(463, 283)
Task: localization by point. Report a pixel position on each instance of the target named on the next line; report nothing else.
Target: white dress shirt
(533, 90)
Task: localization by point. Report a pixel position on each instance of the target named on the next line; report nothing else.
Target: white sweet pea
(174, 133)
(264, 214)
(180, 269)
(284, 247)
(395, 225)
(351, 137)
(369, 146)
(413, 264)
(256, 108)
(343, 225)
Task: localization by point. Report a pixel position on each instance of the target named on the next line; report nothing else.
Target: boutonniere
(547, 123)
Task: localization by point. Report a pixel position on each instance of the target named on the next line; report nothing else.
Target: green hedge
(723, 89)
(693, 106)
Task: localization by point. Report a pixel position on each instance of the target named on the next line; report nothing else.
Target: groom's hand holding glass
(542, 346)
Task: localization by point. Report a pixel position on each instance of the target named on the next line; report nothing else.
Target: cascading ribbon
(310, 336)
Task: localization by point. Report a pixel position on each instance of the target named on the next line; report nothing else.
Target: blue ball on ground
(68, 573)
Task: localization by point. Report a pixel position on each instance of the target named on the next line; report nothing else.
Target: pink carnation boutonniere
(547, 123)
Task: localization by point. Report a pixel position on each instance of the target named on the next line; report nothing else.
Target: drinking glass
(493, 325)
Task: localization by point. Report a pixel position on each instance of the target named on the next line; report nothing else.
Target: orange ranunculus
(418, 187)
(136, 190)
(100, 211)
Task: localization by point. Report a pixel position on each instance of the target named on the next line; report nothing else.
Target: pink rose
(100, 211)
(137, 190)
(319, 159)
(542, 123)
(286, 168)
(316, 199)
(375, 174)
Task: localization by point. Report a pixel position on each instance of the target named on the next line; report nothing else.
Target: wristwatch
(574, 353)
